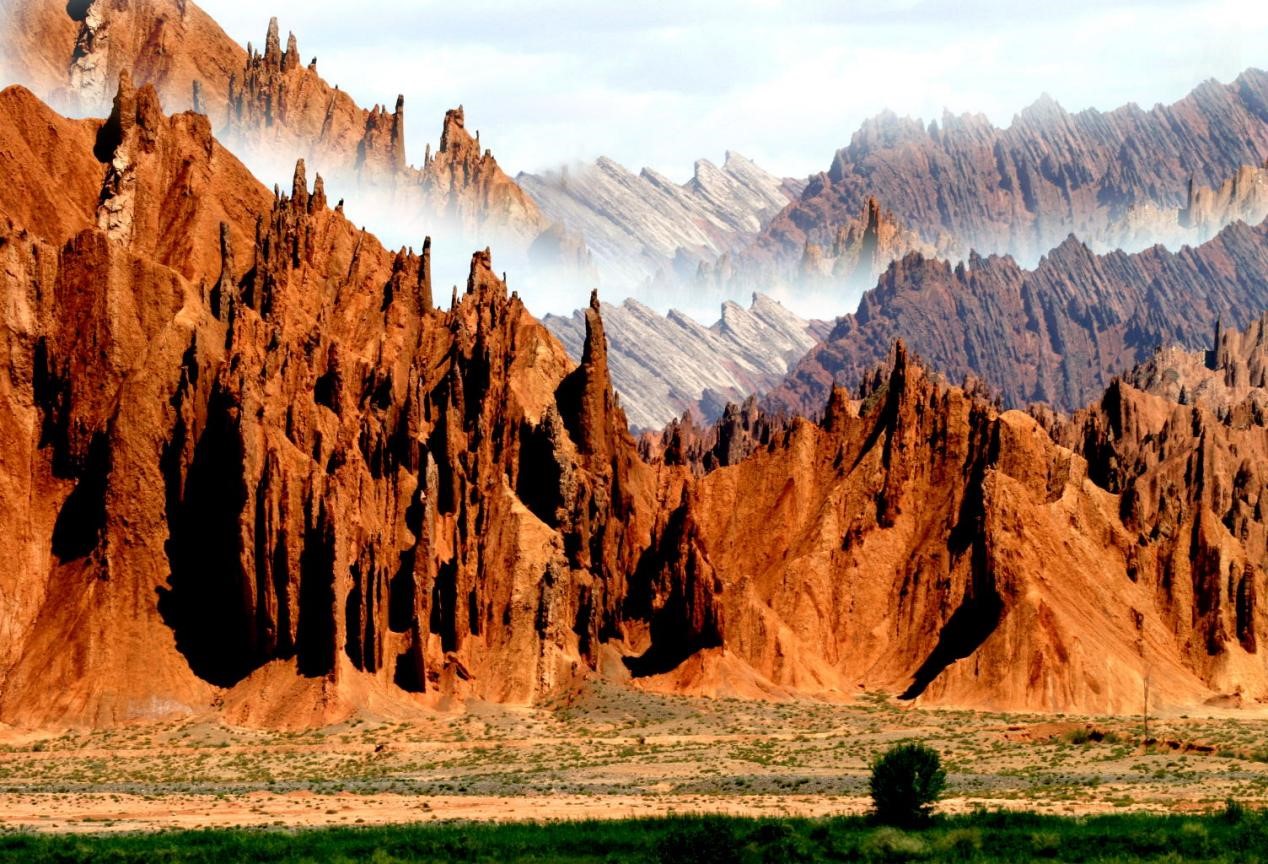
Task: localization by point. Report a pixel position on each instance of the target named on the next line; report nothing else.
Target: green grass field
(1231, 836)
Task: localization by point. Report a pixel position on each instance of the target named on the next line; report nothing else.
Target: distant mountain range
(666, 365)
(963, 184)
(646, 231)
(1056, 334)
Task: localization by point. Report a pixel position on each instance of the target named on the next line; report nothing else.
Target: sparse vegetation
(604, 750)
(979, 838)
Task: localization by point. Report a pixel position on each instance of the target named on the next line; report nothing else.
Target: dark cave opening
(207, 601)
(82, 518)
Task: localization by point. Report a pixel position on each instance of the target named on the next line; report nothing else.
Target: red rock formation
(259, 451)
(919, 541)
(1243, 196)
(269, 107)
(247, 464)
(71, 54)
(861, 249)
(276, 105)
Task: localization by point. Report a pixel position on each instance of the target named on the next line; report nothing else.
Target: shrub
(960, 844)
(1234, 811)
(906, 781)
(780, 843)
(1045, 844)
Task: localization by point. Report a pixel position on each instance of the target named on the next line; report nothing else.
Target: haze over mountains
(271, 106)
(259, 466)
(650, 235)
(1023, 189)
(1033, 341)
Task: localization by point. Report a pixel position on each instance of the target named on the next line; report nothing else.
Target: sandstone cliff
(270, 107)
(919, 541)
(249, 463)
(250, 467)
(71, 53)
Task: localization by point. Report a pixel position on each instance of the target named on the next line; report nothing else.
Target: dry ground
(612, 751)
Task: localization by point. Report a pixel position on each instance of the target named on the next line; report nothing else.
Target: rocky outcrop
(1229, 380)
(665, 365)
(279, 106)
(1243, 196)
(249, 468)
(963, 184)
(71, 53)
(268, 474)
(1206, 210)
(270, 107)
(1054, 334)
(919, 541)
(646, 228)
(860, 251)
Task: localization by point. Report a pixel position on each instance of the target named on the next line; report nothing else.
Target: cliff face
(248, 466)
(919, 541)
(71, 53)
(278, 105)
(270, 107)
(248, 462)
(964, 184)
(1055, 334)
(860, 250)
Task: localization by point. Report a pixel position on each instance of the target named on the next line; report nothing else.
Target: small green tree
(906, 781)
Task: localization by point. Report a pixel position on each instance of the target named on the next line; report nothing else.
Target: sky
(785, 83)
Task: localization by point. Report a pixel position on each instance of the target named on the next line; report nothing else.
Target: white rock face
(664, 365)
(641, 227)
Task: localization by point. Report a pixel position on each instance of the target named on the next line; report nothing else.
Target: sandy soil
(612, 753)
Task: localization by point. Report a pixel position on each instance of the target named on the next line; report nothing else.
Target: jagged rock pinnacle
(425, 276)
(273, 46)
(318, 201)
(290, 60)
(454, 129)
(299, 186)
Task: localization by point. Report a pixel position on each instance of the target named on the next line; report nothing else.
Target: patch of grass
(979, 837)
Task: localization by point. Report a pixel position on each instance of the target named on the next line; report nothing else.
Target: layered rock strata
(665, 365)
(1054, 334)
(963, 184)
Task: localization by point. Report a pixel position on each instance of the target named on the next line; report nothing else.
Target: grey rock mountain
(665, 365)
(645, 228)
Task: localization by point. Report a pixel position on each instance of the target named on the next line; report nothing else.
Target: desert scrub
(906, 782)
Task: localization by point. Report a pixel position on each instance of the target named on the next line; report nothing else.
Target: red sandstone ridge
(270, 107)
(267, 471)
(71, 53)
(249, 467)
(919, 541)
